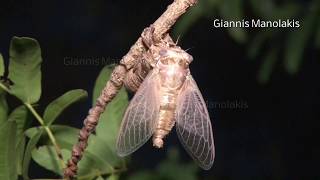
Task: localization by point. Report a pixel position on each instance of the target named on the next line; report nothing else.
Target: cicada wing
(139, 120)
(193, 124)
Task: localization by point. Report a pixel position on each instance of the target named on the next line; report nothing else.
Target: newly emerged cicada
(168, 95)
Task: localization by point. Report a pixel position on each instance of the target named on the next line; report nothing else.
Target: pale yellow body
(173, 72)
(168, 97)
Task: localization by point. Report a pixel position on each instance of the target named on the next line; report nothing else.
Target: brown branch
(161, 26)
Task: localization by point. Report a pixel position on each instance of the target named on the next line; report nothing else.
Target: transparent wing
(141, 115)
(193, 125)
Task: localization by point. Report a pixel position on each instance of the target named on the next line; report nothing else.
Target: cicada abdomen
(168, 96)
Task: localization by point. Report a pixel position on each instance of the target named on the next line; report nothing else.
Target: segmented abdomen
(166, 117)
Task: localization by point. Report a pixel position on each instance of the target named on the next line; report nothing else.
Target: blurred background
(261, 84)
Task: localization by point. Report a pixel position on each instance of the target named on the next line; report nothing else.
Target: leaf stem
(49, 132)
(46, 128)
(5, 88)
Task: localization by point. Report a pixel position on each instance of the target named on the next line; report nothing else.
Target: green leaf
(296, 43)
(24, 69)
(94, 162)
(27, 155)
(32, 131)
(113, 177)
(97, 153)
(3, 107)
(98, 157)
(2, 68)
(266, 68)
(232, 10)
(104, 158)
(3, 102)
(100, 178)
(8, 151)
(110, 120)
(56, 107)
(171, 168)
(21, 144)
(20, 116)
(47, 157)
(144, 175)
(66, 136)
(101, 81)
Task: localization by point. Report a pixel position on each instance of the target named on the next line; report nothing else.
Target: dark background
(273, 133)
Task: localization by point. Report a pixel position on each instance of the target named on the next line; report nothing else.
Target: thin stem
(36, 115)
(5, 88)
(42, 123)
(49, 132)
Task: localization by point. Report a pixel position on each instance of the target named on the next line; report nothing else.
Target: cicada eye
(183, 63)
(189, 59)
(165, 61)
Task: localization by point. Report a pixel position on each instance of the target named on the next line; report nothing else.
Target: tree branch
(161, 27)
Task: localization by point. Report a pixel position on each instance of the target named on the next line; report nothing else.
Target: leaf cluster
(20, 142)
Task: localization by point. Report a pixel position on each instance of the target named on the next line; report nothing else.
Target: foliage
(8, 150)
(170, 168)
(20, 142)
(263, 43)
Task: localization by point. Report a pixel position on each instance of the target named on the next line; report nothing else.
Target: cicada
(168, 96)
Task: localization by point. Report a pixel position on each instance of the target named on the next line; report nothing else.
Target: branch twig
(161, 26)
